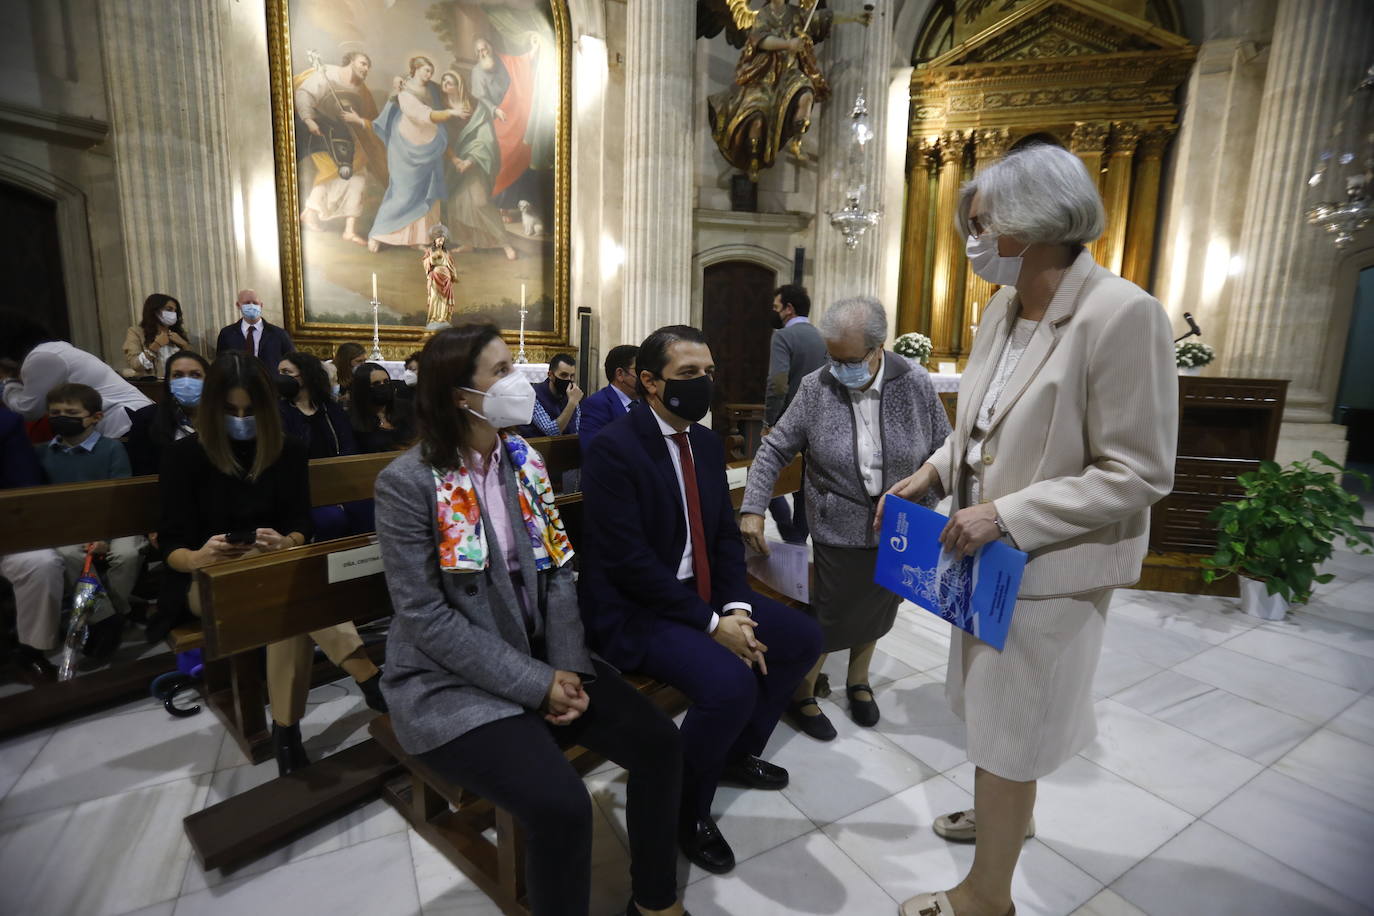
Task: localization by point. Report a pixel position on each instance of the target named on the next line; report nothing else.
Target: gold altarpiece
(1093, 76)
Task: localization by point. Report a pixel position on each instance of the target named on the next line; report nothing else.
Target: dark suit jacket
(272, 345)
(634, 531)
(599, 409)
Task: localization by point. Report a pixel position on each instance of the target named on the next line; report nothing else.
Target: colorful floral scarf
(462, 541)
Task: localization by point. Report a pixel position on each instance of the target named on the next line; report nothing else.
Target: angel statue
(440, 278)
(777, 78)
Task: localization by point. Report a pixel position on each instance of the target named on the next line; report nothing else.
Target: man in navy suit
(664, 591)
(267, 342)
(613, 401)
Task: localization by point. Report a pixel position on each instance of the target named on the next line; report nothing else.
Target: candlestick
(376, 353)
(521, 358)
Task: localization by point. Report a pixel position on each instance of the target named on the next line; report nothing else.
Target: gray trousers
(125, 558)
(37, 579)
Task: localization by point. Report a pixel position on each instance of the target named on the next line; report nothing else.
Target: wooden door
(737, 298)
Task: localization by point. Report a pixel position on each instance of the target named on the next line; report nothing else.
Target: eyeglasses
(851, 364)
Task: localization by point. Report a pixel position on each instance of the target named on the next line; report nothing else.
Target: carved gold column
(947, 286)
(1138, 257)
(1087, 142)
(1116, 195)
(920, 164)
(989, 145)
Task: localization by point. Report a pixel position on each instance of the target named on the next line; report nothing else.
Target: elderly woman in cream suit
(1065, 436)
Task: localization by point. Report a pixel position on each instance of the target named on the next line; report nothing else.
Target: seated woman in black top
(309, 414)
(241, 476)
(487, 661)
(174, 415)
(381, 423)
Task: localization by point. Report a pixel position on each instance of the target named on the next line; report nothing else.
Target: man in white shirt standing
(253, 334)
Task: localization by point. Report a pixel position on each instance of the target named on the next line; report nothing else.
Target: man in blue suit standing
(252, 333)
(613, 401)
(664, 589)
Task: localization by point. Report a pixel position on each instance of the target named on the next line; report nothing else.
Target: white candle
(522, 295)
(374, 285)
(975, 313)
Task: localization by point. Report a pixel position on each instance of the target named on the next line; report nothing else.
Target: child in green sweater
(78, 454)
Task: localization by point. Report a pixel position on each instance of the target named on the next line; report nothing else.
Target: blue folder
(977, 594)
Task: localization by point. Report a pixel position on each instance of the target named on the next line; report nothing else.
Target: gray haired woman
(866, 420)
(1065, 436)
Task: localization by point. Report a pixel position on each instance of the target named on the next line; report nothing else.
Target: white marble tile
(1319, 835)
(372, 877)
(16, 754)
(1180, 768)
(335, 718)
(1118, 670)
(836, 778)
(917, 718)
(920, 643)
(1203, 868)
(893, 843)
(1335, 764)
(166, 908)
(1209, 618)
(367, 822)
(1237, 724)
(106, 856)
(1304, 656)
(882, 669)
(1109, 903)
(443, 889)
(1159, 647)
(1357, 721)
(1271, 685)
(1095, 819)
(1357, 596)
(808, 875)
(1314, 625)
(99, 757)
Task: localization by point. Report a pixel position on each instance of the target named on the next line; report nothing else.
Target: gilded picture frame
(430, 51)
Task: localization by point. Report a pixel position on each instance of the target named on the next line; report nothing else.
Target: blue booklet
(976, 594)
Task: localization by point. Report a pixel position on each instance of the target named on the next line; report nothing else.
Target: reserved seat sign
(357, 563)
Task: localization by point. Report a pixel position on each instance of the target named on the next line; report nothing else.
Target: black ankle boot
(372, 693)
(286, 745)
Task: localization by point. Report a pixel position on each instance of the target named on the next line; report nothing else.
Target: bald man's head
(247, 295)
(250, 305)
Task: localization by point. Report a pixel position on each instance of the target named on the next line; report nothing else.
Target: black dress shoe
(817, 726)
(32, 667)
(703, 845)
(632, 910)
(755, 774)
(372, 693)
(287, 747)
(864, 712)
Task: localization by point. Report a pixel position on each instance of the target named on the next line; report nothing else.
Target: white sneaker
(960, 827)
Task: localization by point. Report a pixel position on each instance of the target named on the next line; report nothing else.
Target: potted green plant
(913, 346)
(1279, 534)
(1191, 356)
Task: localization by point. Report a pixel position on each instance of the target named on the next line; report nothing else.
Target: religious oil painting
(422, 161)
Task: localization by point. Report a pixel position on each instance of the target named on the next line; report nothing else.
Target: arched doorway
(31, 258)
(735, 300)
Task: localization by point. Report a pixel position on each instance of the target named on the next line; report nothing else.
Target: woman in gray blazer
(1065, 436)
(865, 420)
(487, 667)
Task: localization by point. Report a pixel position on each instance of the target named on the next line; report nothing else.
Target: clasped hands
(967, 530)
(566, 699)
(735, 632)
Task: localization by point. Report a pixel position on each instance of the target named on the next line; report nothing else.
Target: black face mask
(287, 386)
(776, 320)
(382, 395)
(67, 427)
(560, 385)
(689, 398)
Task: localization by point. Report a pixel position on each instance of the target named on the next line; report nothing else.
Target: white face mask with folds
(988, 264)
(509, 402)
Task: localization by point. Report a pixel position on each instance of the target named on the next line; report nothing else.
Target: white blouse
(1016, 345)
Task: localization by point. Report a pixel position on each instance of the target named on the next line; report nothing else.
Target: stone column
(921, 165)
(1284, 302)
(947, 274)
(989, 145)
(1138, 258)
(659, 138)
(171, 156)
(1116, 195)
(1088, 142)
(858, 61)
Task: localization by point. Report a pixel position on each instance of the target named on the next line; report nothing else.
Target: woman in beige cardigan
(1064, 437)
(158, 334)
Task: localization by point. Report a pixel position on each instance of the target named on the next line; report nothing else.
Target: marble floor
(1233, 774)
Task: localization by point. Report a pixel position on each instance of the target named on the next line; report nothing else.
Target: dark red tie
(248, 341)
(701, 568)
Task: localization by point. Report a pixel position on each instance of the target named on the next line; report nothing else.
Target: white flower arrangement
(913, 346)
(1193, 354)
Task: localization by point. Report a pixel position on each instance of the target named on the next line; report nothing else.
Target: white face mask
(988, 264)
(168, 317)
(509, 402)
(409, 377)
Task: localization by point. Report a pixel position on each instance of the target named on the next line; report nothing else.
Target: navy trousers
(734, 708)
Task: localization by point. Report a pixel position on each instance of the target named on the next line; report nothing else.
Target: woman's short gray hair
(861, 313)
(1039, 193)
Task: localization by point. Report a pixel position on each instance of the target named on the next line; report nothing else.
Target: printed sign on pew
(358, 563)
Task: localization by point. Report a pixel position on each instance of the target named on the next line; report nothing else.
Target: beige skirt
(1029, 708)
